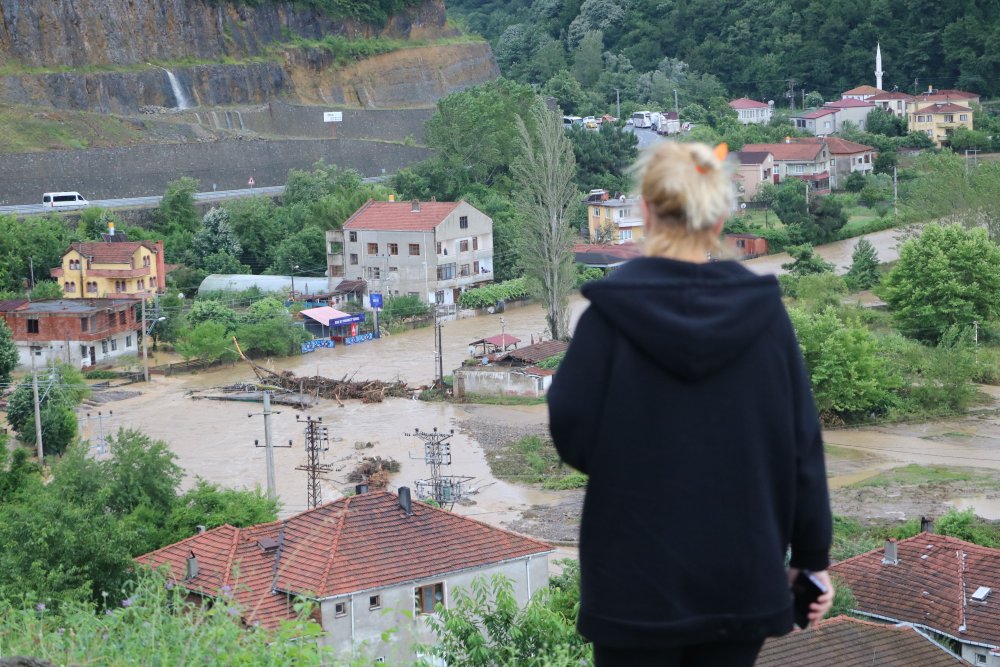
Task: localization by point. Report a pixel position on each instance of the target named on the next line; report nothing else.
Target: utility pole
(317, 442)
(975, 338)
(444, 489)
(618, 104)
(272, 491)
(895, 193)
(38, 407)
(677, 107)
(440, 356)
(145, 335)
(31, 263)
(791, 94)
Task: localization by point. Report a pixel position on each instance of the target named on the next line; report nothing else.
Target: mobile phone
(806, 589)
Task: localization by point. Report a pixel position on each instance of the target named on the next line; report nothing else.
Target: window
(446, 272)
(112, 319)
(393, 248)
(393, 269)
(949, 118)
(128, 341)
(413, 294)
(626, 235)
(463, 222)
(464, 270)
(372, 248)
(833, 162)
(374, 601)
(426, 597)
(354, 258)
(373, 272)
(439, 247)
(340, 609)
(67, 286)
(963, 117)
(980, 658)
(475, 268)
(463, 245)
(33, 326)
(439, 297)
(114, 344)
(597, 211)
(475, 243)
(414, 249)
(104, 346)
(83, 324)
(352, 237)
(121, 317)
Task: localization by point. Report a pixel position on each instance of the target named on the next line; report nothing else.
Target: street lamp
(294, 269)
(145, 335)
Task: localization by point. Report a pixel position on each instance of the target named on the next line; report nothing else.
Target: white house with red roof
(942, 586)
(752, 111)
(373, 563)
(831, 117)
(806, 161)
(861, 93)
(893, 102)
(429, 249)
(845, 157)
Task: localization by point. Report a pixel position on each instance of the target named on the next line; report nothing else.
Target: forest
(750, 47)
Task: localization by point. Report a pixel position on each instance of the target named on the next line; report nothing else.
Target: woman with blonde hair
(684, 398)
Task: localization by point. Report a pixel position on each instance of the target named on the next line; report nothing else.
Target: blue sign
(350, 319)
(312, 345)
(375, 300)
(360, 338)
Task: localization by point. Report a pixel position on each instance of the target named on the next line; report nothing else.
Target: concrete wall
(145, 170)
(360, 628)
(71, 352)
(498, 380)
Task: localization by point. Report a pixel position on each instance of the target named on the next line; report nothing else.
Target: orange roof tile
(399, 216)
(848, 642)
(863, 90)
(747, 103)
(797, 152)
(110, 253)
(354, 544)
(931, 585)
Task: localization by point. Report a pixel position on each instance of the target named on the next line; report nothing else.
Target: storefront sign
(310, 346)
(350, 319)
(361, 338)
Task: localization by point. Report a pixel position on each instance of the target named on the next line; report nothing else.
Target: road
(886, 244)
(147, 202)
(646, 137)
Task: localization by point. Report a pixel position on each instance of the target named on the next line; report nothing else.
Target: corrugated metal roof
(238, 282)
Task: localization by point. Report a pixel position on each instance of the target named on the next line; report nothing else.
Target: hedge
(484, 297)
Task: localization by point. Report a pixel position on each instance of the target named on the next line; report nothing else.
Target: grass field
(27, 130)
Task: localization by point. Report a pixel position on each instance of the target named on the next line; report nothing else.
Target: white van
(55, 199)
(641, 119)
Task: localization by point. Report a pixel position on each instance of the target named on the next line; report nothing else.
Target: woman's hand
(822, 605)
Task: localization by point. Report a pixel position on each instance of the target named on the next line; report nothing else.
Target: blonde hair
(687, 189)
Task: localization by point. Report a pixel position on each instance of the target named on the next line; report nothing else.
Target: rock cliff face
(76, 33)
(108, 45)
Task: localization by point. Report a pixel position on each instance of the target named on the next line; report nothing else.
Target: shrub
(484, 297)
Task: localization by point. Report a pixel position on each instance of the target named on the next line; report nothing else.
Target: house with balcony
(845, 157)
(892, 102)
(111, 269)
(751, 111)
(80, 332)
(938, 119)
(613, 219)
(806, 161)
(376, 566)
(753, 168)
(428, 249)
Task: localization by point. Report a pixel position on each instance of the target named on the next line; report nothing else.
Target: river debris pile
(368, 391)
(374, 471)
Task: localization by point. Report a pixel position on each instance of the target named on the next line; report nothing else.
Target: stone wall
(146, 170)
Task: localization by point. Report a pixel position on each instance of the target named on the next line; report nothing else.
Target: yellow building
(111, 269)
(938, 119)
(614, 220)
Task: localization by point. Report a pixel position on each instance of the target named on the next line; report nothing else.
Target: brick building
(82, 332)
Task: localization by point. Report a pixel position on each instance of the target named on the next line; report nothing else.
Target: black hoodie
(684, 398)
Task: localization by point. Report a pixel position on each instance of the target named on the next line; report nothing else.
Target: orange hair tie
(721, 152)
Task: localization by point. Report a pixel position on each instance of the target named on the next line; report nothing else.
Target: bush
(400, 308)
(484, 297)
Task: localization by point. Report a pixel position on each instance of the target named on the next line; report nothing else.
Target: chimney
(415, 206)
(392, 198)
(361, 489)
(192, 567)
(788, 140)
(433, 198)
(201, 529)
(404, 500)
(926, 525)
(891, 557)
(111, 227)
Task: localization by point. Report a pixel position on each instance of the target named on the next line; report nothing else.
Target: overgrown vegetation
(490, 295)
(533, 460)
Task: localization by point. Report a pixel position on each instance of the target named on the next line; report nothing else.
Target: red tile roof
(532, 354)
(399, 216)
(359, 543)
(848, 642)
(836, 145)
(818, 113)
(890, 95)
(110, 253)
(8, 305)
(948, 94)
(848, 103)
(795, 152)
(944, 107)
(863, 90)
(931, 585)
(747, 103)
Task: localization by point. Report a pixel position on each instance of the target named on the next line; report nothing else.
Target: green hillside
(753, 46)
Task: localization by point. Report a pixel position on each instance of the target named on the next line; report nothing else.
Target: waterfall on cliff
(179, 96)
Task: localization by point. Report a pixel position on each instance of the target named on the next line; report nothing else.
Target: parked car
(590, 122)
(570, 121)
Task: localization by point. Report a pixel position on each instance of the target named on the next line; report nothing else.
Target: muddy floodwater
(215, 439)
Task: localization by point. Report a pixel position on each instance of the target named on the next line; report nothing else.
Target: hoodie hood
(693, 319)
